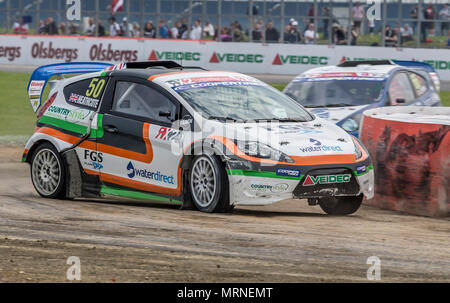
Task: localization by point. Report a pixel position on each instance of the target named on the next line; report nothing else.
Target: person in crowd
(183, 30)
(296, 32)
(358, 14)
(311, 13)
(126, 29)
(149, 31)
(414, 14)
(338, 37)
(114, 27)
(20, 27)
(163, 30)
(371, 25)
(423, 26)
(62, 28)
(448, 41)
(256, 33)
(288, 37)
(196, 31)
(174, 31)
(225, 35)
(73, 30)
(136, 30)
(391, 37)
(272, 35)
(50, 26)
(41, 27)
(354, 35)
(310, 34)
(326, 21)
(101, 29)
(238, 34)
(406, 33)
(208, 30)
(429, 14)
(90, 28)
(444, 15)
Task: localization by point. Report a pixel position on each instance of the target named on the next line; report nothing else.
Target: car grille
(350, 188)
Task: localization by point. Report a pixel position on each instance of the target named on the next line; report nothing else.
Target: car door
(424, 94)
(400, 90)
(136, 145)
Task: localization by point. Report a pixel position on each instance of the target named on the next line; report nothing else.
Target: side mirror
(400, 101)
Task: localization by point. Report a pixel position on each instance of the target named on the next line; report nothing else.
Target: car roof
(379, 70)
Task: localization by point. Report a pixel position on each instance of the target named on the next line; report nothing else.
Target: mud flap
(74, 181)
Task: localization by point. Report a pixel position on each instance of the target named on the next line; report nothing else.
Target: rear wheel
(48, 172)
(341, 205)
(208, 184)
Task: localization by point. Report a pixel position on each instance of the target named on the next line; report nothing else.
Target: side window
(400, 88)
(142, 101)
(419, 84)
(85, 93)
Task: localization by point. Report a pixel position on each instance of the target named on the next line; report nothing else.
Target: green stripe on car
(74, 127)
(135, 195)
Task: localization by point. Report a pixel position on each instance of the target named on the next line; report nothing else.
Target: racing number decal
(95, 88)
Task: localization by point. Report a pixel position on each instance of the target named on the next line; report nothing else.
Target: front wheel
(209, 184)
(48, 172)
(341, 205)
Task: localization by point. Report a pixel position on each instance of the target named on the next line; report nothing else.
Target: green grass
(17, 117)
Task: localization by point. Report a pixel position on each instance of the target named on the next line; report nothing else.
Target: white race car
(198, 138)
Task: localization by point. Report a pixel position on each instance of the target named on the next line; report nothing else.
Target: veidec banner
(289, 59)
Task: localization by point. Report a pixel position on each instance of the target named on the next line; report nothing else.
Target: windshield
(242, 101)
(335, 93)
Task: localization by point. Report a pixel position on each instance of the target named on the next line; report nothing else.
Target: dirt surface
(124, 240)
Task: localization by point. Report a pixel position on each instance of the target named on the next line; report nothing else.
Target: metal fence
(235, 20)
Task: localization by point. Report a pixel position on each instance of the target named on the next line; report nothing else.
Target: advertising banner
(288, 59)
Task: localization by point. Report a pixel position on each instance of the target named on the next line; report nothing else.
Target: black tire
(39, 175)
(216, 201)
(341, 206)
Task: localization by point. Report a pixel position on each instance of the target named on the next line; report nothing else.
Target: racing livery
(342, 93)
(201, 139)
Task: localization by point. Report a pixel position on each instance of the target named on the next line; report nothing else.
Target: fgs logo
(95, 159)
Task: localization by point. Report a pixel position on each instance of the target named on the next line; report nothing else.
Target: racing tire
(341, 206)
(48, 172)
(208, 184)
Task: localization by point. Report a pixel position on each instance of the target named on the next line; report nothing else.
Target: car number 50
(95, 88)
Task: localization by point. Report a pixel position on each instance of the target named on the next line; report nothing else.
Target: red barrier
(411, 160)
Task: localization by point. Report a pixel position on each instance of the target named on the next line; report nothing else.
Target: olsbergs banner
(241, 57)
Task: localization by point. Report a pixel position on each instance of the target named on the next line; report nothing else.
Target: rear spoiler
(422, 66)
(42, 74)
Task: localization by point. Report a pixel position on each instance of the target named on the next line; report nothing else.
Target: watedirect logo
(285, 172)
(144, 173)
(237, 58)
(317, 147)
(330, 179)
(188, 56)
(305, 60)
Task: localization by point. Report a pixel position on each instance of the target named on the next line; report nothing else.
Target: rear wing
(422, 66)
(42, 74)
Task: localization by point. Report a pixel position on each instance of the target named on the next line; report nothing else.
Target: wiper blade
(222, 118)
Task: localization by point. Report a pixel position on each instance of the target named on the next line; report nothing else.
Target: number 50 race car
(201, 139)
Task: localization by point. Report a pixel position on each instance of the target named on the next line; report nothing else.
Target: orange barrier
(411, 159)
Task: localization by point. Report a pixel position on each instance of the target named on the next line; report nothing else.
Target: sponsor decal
(276, 188)
(34, 92)
(93, 159)
(72, 115)
(215, 84)
(10, 52)
(306, 60)
(168, 55)
(144, 173)
(286, 172)
(166, 134)
(40, 51)
(101, 53)
(361, 169)
(236, 58)
(317, 147)
(330, 179)
(292, 129)
(83, 100)
(321, 112)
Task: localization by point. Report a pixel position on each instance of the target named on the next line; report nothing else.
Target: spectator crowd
(262, 31)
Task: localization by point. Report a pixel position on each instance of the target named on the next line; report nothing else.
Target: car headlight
(352, 124)
(261, 150)
(358, 152)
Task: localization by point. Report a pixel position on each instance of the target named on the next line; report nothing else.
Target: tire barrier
(410, 150)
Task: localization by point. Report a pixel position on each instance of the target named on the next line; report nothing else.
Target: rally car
(342, 93)
(201, 139)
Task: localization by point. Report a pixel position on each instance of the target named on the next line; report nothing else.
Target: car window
(419, 84)
(400, 88)
(85, 93)
(142, 101)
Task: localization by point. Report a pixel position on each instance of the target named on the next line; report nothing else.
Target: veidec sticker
(330, 179)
